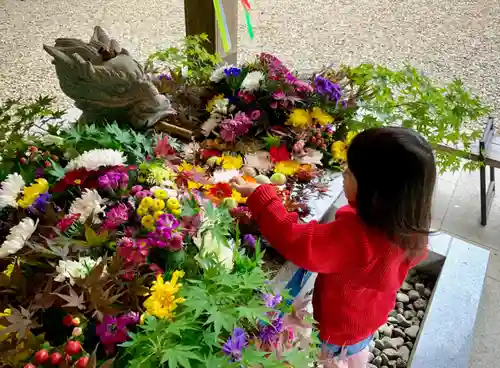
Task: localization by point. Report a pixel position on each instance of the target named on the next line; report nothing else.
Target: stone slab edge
(446, 338)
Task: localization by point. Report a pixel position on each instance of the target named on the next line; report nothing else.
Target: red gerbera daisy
(221, 191)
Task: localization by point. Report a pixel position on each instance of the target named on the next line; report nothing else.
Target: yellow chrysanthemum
(299, 118)
(192, 185)
(289, 167)
(142, 211)
(350, 136)
(148, 221)
(157, 214)
(146, 202)
(158, 175)
(9, 269)
(184, 166)
(162, 302)
(32, 192)
(213, 101)
(173, 203)
(321, 117)
(7, 312)
(161, 194)
(176, 212)
(339, 151)
(238, 197)
(232, 162)
(158, 205)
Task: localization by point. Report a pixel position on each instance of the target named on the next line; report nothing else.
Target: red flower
(207, 153)
(86, 179)
(279, 154)
(163, 148)
(246, 97)
(65, 223)
(221, 190)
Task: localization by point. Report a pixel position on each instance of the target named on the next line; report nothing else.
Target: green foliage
(80, 138)
(407, 98)
(19, 121)
(191, 57)
(215, 303)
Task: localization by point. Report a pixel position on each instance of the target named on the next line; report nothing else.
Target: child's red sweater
(359, 270)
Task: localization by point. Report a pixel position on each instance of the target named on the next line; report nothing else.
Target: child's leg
(359, 360)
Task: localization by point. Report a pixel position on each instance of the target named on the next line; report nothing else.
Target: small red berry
(56, 358)
(318, 135)
(73, 347)
(82, 362)
(29, 365)
(76, 321)
(54, 157)
(323, 146)
(47, 164)
(22, 160)
(41, 356)
(68, 320)
(33, 149)
(313, 140)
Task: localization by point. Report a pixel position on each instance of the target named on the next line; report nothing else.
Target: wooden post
(200, 18)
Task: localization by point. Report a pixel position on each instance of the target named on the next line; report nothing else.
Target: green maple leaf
(272, 141)
(180, 356)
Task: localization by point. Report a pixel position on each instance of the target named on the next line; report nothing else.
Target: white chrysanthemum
(72, 270)
(94, 159)
(10, 190)
(18, 237)
(252, 81)
(208, 245)
(91, 203)
(219, 73)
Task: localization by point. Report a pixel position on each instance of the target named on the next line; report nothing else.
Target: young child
(363, 257)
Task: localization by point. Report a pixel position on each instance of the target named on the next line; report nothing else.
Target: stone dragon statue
(106, 83)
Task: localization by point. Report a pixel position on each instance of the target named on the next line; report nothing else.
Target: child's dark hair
(395, 172)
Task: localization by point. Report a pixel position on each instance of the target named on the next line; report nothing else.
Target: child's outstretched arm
(323, 248)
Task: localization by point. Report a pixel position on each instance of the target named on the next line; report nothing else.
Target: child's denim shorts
(349, 350)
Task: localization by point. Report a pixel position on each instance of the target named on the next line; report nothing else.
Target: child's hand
(243, 187)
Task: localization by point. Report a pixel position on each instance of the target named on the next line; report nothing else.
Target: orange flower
(249, 179)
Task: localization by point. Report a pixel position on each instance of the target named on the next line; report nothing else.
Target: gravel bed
(394, 341)
(446, 39)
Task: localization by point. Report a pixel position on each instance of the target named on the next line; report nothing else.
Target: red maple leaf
(279, 154)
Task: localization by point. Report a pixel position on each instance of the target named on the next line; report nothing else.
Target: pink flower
(230, 129)
(116, 217)
(255, 115)
(303, 87)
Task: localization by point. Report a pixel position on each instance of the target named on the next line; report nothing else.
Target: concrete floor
(444, 38)
(457, 212)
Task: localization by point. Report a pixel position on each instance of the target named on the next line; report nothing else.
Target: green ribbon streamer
(222, 23)
(249, 24)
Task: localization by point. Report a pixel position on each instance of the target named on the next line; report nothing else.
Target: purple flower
(113, 330)
(235, 343)
(166, 234)
(113, 180)
(232, 72)
(269, 333)
(327, 88)
(40, 204)
(230, 129)
(271, 300)
(249, 240)
(140, 195)
(164, 76)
